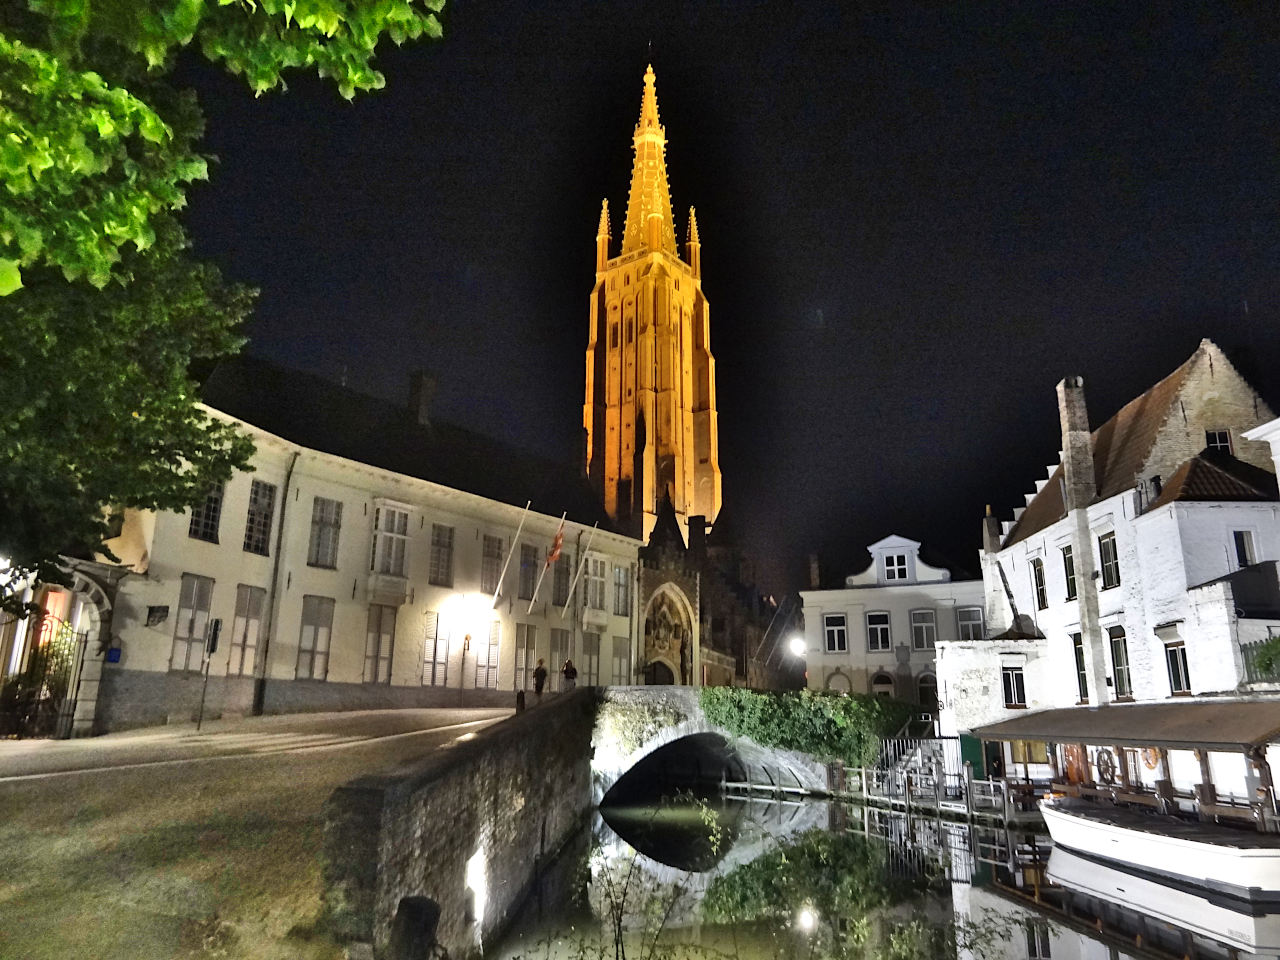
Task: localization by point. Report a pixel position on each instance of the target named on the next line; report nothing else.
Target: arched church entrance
(668, 634)
(658, 674)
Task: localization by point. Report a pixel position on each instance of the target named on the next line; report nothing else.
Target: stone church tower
(650, 408)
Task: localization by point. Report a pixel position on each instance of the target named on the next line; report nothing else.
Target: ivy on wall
(828, 725)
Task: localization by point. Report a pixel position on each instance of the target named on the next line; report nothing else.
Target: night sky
(915, 220)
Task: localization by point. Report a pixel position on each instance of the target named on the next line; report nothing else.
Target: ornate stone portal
(668, 635)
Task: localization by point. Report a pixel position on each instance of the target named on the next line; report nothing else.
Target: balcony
(1255, 672)
(388, 589)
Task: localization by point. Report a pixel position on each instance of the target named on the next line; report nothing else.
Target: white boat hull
(1252, 872)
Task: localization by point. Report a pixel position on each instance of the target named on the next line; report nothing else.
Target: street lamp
(807, 919)
(797, 646)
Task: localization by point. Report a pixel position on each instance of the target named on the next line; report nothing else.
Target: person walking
(570, 674)
(539, 680)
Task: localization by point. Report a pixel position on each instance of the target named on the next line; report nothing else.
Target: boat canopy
(1228, 725)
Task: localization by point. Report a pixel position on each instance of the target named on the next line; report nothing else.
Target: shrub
(830, 726)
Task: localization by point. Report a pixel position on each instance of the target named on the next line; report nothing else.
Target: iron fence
(39, 700)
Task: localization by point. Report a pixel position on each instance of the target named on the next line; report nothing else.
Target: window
(928, 693)
(1069, 572)
(1037, 940)
(1175, 656)
(595, 583)
(621, 591)
(560, 580)
(621, 675)
(441, 570)
(390, 540)
(313, 641)
(1028, 751)
(490, 564)
(1110, 561)
(1037, 581)
(257, 525)
(526, 641)
(244, 630)
(204, 518)
(326, 521)
(969, 623)
(834, 629)
(561, 650)
(1120, 662)
(1243, 542)
(1015, 690)
(1082, 675)
(589, 668)
(613, 335)
(924, 629)
(487, 659)
(192, 624)
(882, 685)
(380, 636)
(528, 570)
(895, 567)
(1218, 440)
(878, 631)
(435, 654)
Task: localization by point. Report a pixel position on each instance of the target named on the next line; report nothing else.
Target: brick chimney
(422, 390)
(1077, 444)
(990, 532)
(815, 580)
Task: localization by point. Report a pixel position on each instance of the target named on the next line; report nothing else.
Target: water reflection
(725, 877)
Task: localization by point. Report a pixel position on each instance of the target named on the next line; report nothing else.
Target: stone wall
(468, 827)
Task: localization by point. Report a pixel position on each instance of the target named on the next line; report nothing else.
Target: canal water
(723, 877)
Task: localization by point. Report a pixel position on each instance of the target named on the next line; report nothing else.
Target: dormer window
(895, 566)
(1218, 440)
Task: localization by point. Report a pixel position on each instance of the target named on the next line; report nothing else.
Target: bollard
(519, 701)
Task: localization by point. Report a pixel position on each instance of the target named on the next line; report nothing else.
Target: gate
(40, 699)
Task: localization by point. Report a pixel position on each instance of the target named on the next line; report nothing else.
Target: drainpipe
(1078, 492)
(262, 669)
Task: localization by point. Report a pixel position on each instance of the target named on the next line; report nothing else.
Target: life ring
(1105, 761)
(1150, 758)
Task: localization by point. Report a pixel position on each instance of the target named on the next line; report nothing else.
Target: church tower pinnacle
(650, 406)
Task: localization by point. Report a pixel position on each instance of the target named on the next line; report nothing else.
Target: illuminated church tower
(650, 409)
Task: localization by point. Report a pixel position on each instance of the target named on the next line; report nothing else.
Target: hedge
(830, 726)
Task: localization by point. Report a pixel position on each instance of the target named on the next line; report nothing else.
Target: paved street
(172, 843)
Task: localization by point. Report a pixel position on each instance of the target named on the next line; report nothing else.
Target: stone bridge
(643, 734)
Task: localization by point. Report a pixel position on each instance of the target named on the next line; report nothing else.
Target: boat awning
(1226, 725)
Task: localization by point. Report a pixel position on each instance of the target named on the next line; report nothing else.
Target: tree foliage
(828, 725)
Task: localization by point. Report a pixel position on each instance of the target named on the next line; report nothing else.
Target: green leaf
(10, 277)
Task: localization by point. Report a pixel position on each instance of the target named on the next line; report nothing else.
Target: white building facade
(878, 633)
(1143, 567)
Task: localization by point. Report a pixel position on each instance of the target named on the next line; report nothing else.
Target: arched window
(927, 688)
(882, 685)
(837, 682)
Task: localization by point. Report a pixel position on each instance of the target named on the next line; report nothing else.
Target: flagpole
(506, 563)
(581, 563)
(538, 586)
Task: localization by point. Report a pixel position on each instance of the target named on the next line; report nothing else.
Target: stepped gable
(1214, 475)
(321, 415)
(1121, 448)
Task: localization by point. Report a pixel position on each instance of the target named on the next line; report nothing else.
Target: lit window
(1218, 440)
(878, 631)
(1037, 579)
(204, 518)
(1015, 690)
(244, 630)
(390, 540)
(895, 567)
(313, 641)
(1243, 542)
(1120, 662)
(969, 623)
(834, 628)
(326, 522)
(1069, 571)
(257, 527)
(924, 629)
(441, 569)
(380, 636)
(192, 624)
(1110, 561)
(1175, 655)
(491, 564)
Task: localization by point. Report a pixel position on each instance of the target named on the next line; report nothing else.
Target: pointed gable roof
(650, 192)
(1121, 448)
(666, 529)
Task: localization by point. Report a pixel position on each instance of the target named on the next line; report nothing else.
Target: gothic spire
(650, 192)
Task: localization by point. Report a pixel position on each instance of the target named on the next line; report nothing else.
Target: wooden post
(1053, 761)
(1164, 786)
(1206, 793)
(968, 790)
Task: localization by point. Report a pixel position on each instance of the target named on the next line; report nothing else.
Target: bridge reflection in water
(764, 878)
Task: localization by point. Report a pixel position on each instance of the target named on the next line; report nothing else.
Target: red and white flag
(554, 553)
